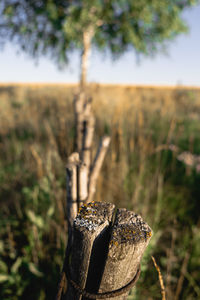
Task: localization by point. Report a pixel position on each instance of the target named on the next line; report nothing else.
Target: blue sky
(180, 66)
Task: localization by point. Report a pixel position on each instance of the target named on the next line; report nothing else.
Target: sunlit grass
(140, 172)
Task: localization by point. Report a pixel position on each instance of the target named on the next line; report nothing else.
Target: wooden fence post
(104, 259)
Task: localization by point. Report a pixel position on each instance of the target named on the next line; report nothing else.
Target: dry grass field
(152, 167)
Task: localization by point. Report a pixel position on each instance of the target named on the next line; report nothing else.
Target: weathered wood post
(106, 251)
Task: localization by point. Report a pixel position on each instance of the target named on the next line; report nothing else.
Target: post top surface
(92, 215)
(130, 228)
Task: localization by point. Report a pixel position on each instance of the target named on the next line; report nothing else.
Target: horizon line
(103, 84)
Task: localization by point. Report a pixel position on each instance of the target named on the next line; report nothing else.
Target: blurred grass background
(149, 127)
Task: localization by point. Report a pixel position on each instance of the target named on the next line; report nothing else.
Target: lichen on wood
(129, 238)
(106, 251)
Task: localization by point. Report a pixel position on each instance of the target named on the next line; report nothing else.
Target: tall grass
(141, 172)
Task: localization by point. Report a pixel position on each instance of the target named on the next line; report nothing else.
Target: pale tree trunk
(87, 39)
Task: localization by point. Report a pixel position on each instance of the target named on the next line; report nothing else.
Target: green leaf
(9, 11)
(3, 278)
(33, 269)
(16, 265)
(50, 211)
(37, 220)
(1, 246)
(3, 267)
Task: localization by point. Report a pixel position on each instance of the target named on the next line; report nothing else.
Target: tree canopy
(56, 27)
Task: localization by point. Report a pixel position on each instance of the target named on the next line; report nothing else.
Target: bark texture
(87, 38)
